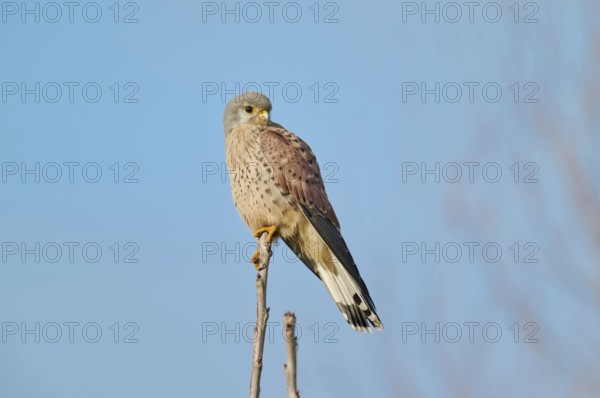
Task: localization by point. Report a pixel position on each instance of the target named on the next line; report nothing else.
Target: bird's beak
(263, 116)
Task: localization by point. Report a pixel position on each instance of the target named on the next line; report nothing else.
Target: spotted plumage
(276, 182)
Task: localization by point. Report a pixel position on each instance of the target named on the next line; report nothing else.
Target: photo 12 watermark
(68, 332)
(470, 92)
(29, 252)
(471, 172)
(453, 12)
(241, 252)
(243, 332)
(471, 252)
(69, 172)
(69, 12)
(252, 12)
(253, 172)
(290, 91)
(469, 332)
(68, 92)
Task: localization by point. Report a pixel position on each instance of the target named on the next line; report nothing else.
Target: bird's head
(250, 108)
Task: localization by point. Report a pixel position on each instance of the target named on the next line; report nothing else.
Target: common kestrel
(277, 188)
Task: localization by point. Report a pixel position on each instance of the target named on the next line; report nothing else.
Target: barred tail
(353, 300)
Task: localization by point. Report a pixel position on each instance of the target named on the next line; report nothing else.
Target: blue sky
(138, 239)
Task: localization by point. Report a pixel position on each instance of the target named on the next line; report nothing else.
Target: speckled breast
(257, 199)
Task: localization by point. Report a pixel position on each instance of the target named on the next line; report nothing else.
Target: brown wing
(296, 171)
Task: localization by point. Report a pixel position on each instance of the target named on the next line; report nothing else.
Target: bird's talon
(255, 259)
(269, 230)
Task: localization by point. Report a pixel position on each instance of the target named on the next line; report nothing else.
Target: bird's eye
(249, 109)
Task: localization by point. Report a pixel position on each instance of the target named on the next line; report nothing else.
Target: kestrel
(277, 188)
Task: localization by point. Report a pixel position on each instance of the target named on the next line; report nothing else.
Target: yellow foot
(255, 259)
(269, 230)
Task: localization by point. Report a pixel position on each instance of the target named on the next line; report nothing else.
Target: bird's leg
(255, 259)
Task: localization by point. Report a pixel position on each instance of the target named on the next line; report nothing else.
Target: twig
(289, 320)
(262, 314)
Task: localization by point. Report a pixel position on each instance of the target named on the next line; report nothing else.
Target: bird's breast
(258, 200)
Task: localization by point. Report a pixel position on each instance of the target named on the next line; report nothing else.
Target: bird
(277, 188)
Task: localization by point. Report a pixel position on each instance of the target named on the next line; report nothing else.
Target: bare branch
(262, 314)
(289, 320)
